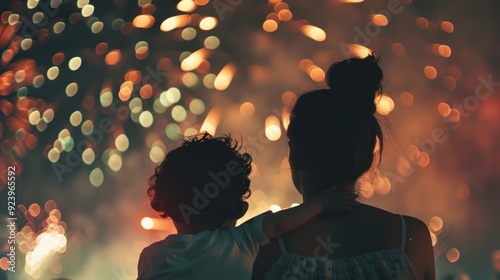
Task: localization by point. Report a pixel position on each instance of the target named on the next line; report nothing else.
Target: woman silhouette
(333, 135)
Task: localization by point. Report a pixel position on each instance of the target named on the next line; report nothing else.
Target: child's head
(204, 181)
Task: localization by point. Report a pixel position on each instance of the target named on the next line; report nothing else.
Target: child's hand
(337, 201)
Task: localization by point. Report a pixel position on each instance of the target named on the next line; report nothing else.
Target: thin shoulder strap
(281, 244)
(403, 233)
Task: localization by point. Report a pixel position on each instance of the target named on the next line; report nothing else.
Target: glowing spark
(211, 121)
(270, 25)
(194, 60)
(113, 57)
(436, 224)
(225, 77)
(453, 255)
(46, 245)
(186, 6)
(147, 223)
(272, 128)
(359, 50)
(447, 26)
(444, 109)
(422, 22)
(380, 19)
(444, 50)
(313, 32)
(87, 10)
(201, 2)
(247, 109)
(285, 15)
(174, 22)
(316, 74)
(208, 23)
(385, 104)
(143, 21)
(430, 72)
(288, 98)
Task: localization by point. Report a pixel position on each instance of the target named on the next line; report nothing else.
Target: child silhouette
(202, 185)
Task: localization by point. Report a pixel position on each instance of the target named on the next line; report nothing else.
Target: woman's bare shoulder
(419, 248)
(416, 227)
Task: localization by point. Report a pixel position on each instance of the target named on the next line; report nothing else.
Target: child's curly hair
(205, 181)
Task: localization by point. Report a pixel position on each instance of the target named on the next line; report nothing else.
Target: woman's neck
(309, 186)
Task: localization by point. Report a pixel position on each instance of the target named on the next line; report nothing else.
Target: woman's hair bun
(356, 80)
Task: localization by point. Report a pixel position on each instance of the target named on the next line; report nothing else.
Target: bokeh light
(147, 223)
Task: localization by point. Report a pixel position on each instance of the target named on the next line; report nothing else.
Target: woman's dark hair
(205, 180)
(333, 132)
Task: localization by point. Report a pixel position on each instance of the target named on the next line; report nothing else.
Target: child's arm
(284, 221)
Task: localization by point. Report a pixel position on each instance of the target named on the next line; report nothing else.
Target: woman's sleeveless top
(384, 264)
